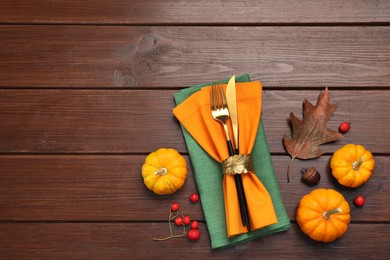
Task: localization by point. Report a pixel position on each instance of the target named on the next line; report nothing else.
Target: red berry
(195, 224)
(194, 197)
(194, 234)
(344, 127)
(175, 206)
(178, 221)
(186, 220)
(359, 201)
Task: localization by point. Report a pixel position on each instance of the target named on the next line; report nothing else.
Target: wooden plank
(103, 188)
(133, 121)
(134, 241)
(189, 12)
(164, 56)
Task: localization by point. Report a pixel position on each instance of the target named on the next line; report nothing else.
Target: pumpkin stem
(161, 171)
(356, 164)
(326, 214)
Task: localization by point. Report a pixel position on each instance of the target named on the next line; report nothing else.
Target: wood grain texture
(86, 92)
(189, 12)
(133, 121)
(131, 241)
(169, 57)
(104, 188)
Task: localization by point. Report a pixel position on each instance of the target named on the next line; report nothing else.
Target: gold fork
(220, 111)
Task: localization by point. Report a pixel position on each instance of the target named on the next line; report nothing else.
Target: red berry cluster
(182, 220)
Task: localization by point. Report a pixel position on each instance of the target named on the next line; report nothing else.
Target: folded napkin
(207, 168)
(195, 115)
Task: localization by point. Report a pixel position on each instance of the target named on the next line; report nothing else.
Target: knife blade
(232, 105)
(231, 100)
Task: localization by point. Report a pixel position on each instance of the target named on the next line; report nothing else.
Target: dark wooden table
(86, 92)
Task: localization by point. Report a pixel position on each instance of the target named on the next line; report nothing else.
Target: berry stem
(171, 236)
(172, 216)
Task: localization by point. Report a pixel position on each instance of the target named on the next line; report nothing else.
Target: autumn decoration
(352, 165)
(164, 171)
(311, 176)
(180, 220)
(311, 131)
(359, 201)
(323, 215)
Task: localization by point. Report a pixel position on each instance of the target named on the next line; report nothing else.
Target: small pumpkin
(323, 215)
(352, 165)
(164, 171)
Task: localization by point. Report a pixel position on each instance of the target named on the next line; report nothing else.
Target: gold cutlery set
(223, 108)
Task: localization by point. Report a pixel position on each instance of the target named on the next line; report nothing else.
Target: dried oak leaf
(311, 132)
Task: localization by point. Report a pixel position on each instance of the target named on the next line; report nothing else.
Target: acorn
(311, 177)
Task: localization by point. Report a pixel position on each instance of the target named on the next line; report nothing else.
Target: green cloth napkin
(209, 182)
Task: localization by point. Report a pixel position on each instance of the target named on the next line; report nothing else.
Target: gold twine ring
(237, 164)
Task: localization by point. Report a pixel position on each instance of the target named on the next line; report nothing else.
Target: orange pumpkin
(164, 171)
(323, 215)
(352, 165)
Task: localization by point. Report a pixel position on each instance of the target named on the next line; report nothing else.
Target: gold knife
(232, 105)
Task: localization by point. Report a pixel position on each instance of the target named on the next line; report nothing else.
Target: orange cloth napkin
(195, 115)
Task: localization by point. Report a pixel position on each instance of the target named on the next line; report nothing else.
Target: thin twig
(172, 216)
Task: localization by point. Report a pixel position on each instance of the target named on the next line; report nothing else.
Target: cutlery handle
(242, 198)
(240, 190)
(230, 147)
